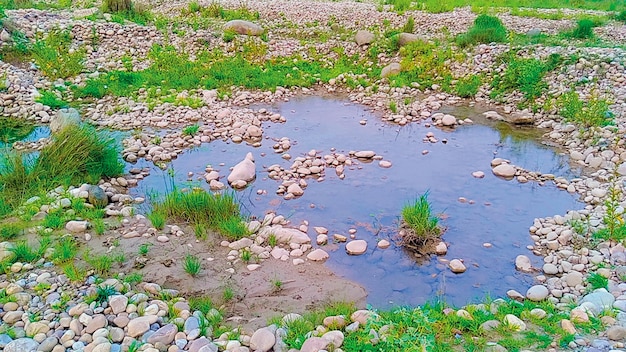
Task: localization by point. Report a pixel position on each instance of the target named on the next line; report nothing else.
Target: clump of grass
(76, 155)
(216, 10)
(157, 219)
(409, 26)
(468, 87)
(74, 273)
(486, 29)
(218, 212)
(52, 100)
(192, 264)
(393, 107)
(228, 294)
(597, 281)
(10, 230)
(524, 75)
(422, 225)
(399, 5)
(144, 248)
(190, 130)
(424, 63)
(117, 5)
(99, 227)
(594, 112)
(54, 57)
(64, 250)
(583, 29)
(101, 264)
(621, 16)
(54, 220)
(201, 303)
(23, 252)
(246, 255)
(272, 240)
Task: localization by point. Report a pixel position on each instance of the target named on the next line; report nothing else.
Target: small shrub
(192, 264)
(592, 113)
(422, 224)
(486, 29)
(468, 87)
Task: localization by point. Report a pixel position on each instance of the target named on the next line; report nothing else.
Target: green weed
(202, 304)
(144, 248)
(228, 294)
(486, 29)
(424, 63)
(468, 87)
(583, 29)
(101, 264)
(54, 57)
(50, 99)
(524, 75)
(23, 252)
(246, 255)
(192, 264)
(74, 273)
(99, 227)
(12, 130)
(592, 113)
(10, 230)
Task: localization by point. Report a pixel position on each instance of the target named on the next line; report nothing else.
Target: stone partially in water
(97, 197)
(356, 247)
(456, 266)
(244, 171)
(64, 118)
(504, 170)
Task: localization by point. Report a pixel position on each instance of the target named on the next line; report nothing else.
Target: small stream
(370, 198)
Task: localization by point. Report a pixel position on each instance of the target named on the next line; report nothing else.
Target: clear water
(370, 198)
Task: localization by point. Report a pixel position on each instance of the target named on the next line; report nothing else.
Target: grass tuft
(55, 57)
(486, 29)
(591, 113)
(192, 264)
(423, 225)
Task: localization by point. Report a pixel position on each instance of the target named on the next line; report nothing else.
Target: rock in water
(504, 170)
(356, 247)
(64, 118)
(244, 27)
(97, 197)
(244, 171)
(363, 37)
(456, 266)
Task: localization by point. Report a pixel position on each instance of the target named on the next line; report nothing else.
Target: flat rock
(164, 335)
(363, 37)
(317, 255)
(356, 247)
(391, 70)
(22, 345)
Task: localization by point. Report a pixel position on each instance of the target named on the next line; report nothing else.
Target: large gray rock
(391, 70)
(22, 345)
(164, 335)
(363, 37)
(244, 27)
(600, 300)
(97, 197)
(244, 171)
(64, 118)
(263, 339)
(407, 38)
(537, 293)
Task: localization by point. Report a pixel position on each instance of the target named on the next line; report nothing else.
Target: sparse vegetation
(191, 130)
(468, 87)
(597, 281)
(524, 75)
(591, 113)
(55, 57)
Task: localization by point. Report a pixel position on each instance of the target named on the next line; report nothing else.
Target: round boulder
(356, 247)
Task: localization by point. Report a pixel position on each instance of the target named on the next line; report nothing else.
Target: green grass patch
(524, 75)
(157, 219)
(64, 250)
(468, 87)
(54, 57)
(218, 212)
(424, 63)
(486, 29)
(594, 112)
(10, 230)
(437, 6)
(50, 99)
(216, 10)
(76, 155)
(597, 281)
(583, 29)
(172, 70)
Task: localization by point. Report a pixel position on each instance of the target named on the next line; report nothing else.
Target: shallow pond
(370, 198)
